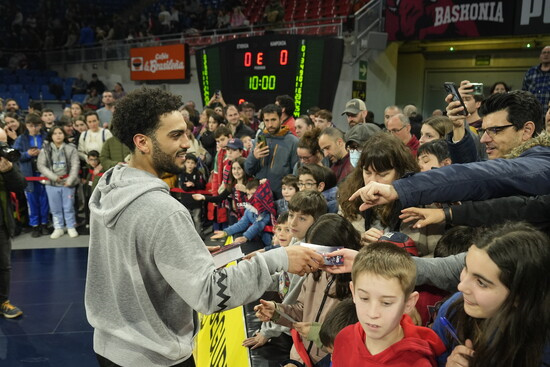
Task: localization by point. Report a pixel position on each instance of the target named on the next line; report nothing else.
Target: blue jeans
(61, 200)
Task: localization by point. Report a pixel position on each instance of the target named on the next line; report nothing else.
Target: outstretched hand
(373, 194)
(348, 257)
(302, 260)
(265, 310)
(255, 341)
(422, 216)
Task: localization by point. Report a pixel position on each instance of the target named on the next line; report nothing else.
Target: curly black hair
(139, 113)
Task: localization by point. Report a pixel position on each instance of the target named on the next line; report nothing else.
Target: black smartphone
(262, 140)
(451, 88)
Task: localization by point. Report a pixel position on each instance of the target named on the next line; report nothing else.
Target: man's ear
(142, 143)
(411, 302)
(528, 130)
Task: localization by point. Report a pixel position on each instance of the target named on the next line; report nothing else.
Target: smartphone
(218, 93)
(451, 88)
(478, 88)
(33, 147)
(262, 140)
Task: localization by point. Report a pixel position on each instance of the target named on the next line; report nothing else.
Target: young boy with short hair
(322, 179)
(289, 187)
(29, 144)
(222, 135)
(383, 278)
(48, 117)
(433, 154)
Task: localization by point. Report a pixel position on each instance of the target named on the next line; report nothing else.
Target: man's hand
(256, 341)
(302, 260)
(218, 235)
(375, 193)
(348, 256)
(261, 150)
(302, 328)
(370, 236)
(461, 355)
(454, 109)
(422, 216)
(265, 310)
(5, 165)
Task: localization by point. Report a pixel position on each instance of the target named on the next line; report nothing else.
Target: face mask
(354, 157)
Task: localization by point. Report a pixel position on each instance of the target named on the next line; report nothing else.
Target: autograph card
(323, 250)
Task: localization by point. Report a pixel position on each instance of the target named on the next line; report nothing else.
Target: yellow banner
(219, 340)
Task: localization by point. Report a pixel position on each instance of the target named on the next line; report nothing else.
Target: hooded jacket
(280, 161)
(148, 270)
(419, 347)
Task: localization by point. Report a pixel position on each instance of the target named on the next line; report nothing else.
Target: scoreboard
(258, 69)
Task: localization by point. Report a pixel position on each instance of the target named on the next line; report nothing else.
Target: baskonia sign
(159, 63)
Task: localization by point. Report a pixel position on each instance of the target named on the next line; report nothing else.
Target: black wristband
(448, 217)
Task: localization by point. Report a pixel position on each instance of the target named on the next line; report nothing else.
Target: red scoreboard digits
(259, 58)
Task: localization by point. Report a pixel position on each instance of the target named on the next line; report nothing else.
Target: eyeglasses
(395, 131)
(348, 114)
(307, 185)
(492, 131)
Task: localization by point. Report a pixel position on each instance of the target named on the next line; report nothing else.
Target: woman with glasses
(309, 151)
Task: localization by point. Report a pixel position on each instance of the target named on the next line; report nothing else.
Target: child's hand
(198, 197)
(302, 328)
(263, 180)
(370, 236)
(218, 234)
(240, 187)
(189, 184)
(98, 169)
(256, 341)
(241, 239)
(265, 310)
(460, 357)
(348, 255)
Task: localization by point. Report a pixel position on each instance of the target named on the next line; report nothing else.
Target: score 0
(259, 58)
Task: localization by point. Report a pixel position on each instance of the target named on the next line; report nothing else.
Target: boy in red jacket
(383, 277)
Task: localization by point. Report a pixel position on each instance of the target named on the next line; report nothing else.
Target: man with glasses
(400, 127)
(508, 121)
(355, 111)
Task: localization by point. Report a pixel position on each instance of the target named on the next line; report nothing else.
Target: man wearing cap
(356, 111)
(333, 147)
(356, 137)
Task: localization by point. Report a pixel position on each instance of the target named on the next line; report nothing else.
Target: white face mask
(354, 155)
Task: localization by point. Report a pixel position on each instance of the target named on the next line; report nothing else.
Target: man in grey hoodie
(148, 269)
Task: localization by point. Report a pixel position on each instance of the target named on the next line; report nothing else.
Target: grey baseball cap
(355, 106)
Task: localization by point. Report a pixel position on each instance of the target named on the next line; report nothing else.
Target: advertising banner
(449, 19)
(159, 63)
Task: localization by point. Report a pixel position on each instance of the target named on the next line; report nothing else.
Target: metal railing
(120, 50)
(367, 19)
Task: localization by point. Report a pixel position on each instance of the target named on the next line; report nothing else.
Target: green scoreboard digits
(258, 69)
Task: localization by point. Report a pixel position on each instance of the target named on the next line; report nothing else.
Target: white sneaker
(72, 232)
(56, 234)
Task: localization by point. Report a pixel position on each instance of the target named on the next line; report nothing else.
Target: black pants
(104, 362)
(5, 263)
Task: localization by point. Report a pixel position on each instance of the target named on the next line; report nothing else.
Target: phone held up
(261, 140)
(451, 88)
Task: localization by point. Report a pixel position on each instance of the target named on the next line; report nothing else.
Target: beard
(163, 162)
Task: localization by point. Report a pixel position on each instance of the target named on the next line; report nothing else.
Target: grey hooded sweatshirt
(148, 269)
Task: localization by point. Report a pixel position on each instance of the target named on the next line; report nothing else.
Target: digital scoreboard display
(258, 69)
